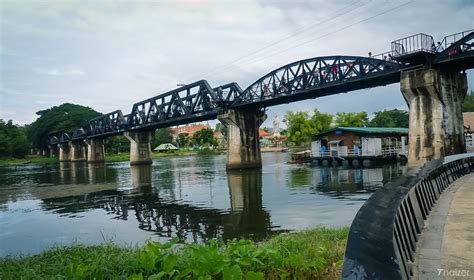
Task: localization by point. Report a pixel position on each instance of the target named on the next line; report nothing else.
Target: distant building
(359, 142)
(187, 129)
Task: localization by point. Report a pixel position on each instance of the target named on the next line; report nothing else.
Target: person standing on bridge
(274, 88)
(440, 47)
(334, 71)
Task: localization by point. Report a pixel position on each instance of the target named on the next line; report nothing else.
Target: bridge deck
(448, 239)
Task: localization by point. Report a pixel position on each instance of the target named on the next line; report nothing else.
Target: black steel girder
(316, 77)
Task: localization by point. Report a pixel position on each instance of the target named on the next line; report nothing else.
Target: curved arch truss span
(318, 76)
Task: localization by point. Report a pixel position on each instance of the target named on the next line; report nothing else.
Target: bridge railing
(416, 43)
(383, 236)
(451, 39)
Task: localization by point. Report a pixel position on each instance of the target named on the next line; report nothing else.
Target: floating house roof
(364, 131)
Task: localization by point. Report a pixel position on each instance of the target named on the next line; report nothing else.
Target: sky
(108, 55)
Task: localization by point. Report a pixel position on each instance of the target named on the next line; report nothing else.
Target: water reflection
(141, 177)
(247, 216)
(193, 198)
(97, 173)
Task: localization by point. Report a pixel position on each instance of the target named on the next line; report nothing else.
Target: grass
(126, 156)
(28, 159)
(310, 254)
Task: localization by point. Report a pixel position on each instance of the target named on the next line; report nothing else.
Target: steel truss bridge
(300, 80)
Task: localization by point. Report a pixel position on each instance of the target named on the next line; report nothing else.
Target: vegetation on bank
(126, 155)
(28, 160)
(311, 254)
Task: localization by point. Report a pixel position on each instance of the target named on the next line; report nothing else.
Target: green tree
(183, 140)
(13, 140)
(352, 119)
(468, 105)
(116, 144)
(222, 128)
(205, 136)
(300, 125)
(64, 118)
(161, 136)
(390, 118)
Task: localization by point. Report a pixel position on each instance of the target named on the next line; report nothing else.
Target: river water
(191, 197)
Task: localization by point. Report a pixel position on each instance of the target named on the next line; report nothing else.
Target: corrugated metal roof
(375, 129)
(365, 130)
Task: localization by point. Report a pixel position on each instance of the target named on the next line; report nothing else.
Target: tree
(390, 118)
(352, 119)
(205, 136)
(321, 121)
(161, 136)
(468, 105)
(300, 125)
(13, 140)
(183, 140)
(116, 144)
(222, 128)
(64, 118)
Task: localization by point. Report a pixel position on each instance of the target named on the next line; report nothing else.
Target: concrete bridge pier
(243, 143)
(140, 150)
(64, 151)
(435, 99)
(95, 150)
(78, 151)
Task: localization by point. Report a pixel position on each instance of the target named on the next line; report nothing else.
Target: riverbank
(108, 157)
(310, 254)
(126, 156)
(28, 160)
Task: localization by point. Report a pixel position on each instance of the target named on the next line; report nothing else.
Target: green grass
(311, 254)
(28, 159)
(108, 157)
(126, 156)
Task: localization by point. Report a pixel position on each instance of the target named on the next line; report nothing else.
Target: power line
(329, 33)
(299, 31)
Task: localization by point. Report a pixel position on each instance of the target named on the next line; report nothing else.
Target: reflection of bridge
(430, 77)
(245, 218)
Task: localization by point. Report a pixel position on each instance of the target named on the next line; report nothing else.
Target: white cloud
(61, 72)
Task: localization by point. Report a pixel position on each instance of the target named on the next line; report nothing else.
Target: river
(192, 197)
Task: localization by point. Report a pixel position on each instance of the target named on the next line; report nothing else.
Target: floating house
(358, 145)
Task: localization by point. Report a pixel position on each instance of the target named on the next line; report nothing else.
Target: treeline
(13, 140)
(301, 125)
(17, 141)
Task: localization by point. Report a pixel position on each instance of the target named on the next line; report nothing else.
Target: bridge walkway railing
(383, 236)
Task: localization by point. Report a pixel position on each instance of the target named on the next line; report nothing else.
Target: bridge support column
(95, 150)
(78, 151)
(64, 151)
(243, 144)
(140, 150)
(435, 101)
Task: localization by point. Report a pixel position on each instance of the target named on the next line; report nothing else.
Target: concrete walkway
(446, 246)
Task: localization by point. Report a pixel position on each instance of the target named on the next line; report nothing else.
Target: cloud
(109, 55)
(61, 72)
